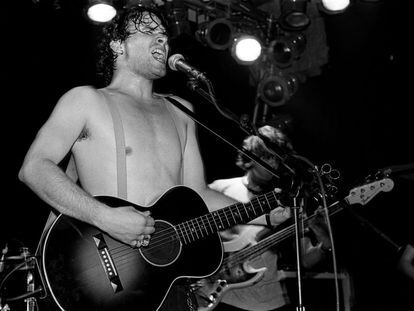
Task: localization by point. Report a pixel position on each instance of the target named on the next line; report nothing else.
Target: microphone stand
(274, 148)
(298, 214)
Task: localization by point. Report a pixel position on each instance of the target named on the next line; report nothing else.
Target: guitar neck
(238, 213)
(275, 239)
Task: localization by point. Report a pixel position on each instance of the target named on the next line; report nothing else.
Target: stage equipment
(100, 11)
(288, 48)
(19, 274)
(177, 62)
(217, 34)
(246, 49)
(276, 89)
(293, 15)
(334, 6)
(176, 14)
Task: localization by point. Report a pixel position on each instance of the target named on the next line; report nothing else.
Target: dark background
(355, 115)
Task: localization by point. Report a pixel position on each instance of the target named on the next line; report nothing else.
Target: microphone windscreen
(173, 60)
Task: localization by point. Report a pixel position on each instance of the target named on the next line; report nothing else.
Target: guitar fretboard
(273, 240)
(238, 213)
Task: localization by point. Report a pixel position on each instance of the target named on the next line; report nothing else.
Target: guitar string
(122, 264)
(122, 267)
(273, 239)
(165, 235)
(242, 255)
(124, 259)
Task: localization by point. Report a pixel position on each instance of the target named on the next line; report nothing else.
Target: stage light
(275, 90)
(217, 34)
(293, 14)
(288, 48)
(246, 49)
(334, 6)
(176, 14)
(101, 11)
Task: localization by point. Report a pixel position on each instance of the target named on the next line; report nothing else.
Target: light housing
(286, 49)
(217, 34)
(293, 14)
(334, 6)
(276, 89)
(100, 11)
(246, 49)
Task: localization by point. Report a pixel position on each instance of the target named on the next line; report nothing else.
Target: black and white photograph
(200, 155)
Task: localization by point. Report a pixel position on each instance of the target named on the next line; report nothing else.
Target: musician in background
(269, 293)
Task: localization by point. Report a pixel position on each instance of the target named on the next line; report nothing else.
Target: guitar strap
(71, 171)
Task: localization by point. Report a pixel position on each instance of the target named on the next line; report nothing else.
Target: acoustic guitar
(86, 269)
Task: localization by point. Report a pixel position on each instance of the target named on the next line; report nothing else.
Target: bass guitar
(86, 269)
(236, 272)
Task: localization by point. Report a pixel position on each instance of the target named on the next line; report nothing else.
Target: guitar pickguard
(231, 276)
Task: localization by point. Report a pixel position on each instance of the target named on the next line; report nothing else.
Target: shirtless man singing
(161, 147)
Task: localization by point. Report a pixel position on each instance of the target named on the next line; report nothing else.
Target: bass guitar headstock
(365, 193)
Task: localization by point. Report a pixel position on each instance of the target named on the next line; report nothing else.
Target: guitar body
(212, 290)
(235, 274)
(86, 269)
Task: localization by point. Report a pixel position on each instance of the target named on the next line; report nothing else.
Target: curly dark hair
(118, 30)
(256, 145)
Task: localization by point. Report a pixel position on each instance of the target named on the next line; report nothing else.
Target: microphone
(177, 62)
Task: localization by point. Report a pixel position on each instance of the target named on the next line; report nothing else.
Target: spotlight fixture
(176, 14)
(101, 11)
(275, 90)
(246, 49)
(217, 34)
(288, 48)
(293, 14)
(334, 6)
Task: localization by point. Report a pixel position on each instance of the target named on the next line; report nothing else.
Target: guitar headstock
(365, 193)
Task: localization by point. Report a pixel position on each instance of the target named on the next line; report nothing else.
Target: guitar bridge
(107, 262)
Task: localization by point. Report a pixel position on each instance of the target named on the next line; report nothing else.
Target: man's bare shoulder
(81, 101)
(81, 97)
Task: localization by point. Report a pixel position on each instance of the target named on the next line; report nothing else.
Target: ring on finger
(146, 240)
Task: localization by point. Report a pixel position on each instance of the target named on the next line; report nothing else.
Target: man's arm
(41, 173)
(313, 254)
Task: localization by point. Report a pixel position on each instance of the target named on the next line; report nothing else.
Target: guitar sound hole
(164, 247)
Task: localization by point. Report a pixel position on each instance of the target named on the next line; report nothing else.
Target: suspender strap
(120, 151)
(182, 144)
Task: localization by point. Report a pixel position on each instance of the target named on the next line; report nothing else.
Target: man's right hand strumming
(127, 225)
